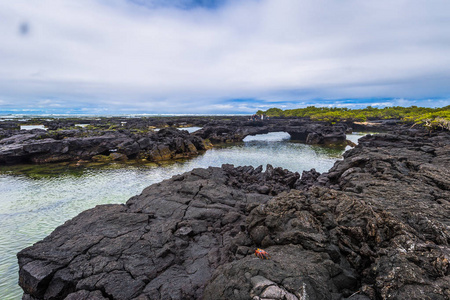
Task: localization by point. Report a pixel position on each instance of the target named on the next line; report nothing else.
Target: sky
(221, 56)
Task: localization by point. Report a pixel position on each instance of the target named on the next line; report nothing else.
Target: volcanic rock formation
(376, 226)
(39, 146)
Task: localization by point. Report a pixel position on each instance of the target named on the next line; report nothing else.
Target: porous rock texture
(163, 244)
(39, 146)
(376, 226)
(307, 131)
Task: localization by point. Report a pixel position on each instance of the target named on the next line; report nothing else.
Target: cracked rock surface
(163, 244)
(376, 226)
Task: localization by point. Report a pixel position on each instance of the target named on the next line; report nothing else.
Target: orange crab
(262, 254)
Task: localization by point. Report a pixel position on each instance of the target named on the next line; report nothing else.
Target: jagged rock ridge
(375, 226)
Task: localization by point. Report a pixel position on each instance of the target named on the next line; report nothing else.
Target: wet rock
(375, 226)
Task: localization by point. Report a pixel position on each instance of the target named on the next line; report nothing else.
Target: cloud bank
(222, 56)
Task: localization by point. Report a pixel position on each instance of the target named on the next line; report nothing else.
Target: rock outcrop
(381, 215)
(163, 244)
(134, 138)
(375, 226)
(317, 133)
(40, 146)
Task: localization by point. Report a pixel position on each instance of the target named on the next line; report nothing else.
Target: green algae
(37, 198)
(78, 169)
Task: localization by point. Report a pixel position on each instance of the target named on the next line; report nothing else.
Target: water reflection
(191, 129)
(269, 137)
(188, 129)
(34, 199)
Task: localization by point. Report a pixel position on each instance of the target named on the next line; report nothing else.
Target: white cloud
(223, 106)
(117, 54)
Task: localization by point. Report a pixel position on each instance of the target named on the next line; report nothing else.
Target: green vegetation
(430, 117)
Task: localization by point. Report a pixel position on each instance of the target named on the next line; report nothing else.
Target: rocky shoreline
(112, 139)
(375, 226)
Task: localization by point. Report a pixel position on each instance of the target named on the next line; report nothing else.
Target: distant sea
(4, 117)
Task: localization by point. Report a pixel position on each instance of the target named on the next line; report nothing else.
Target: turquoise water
(36, 199)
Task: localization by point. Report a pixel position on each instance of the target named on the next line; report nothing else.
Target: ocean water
(188, 129)
(5, 116)
(35, 199)
(30, 127)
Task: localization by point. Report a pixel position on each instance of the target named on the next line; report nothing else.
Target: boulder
(163, 244)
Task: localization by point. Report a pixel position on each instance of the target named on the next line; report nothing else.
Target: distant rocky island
(375, 226)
